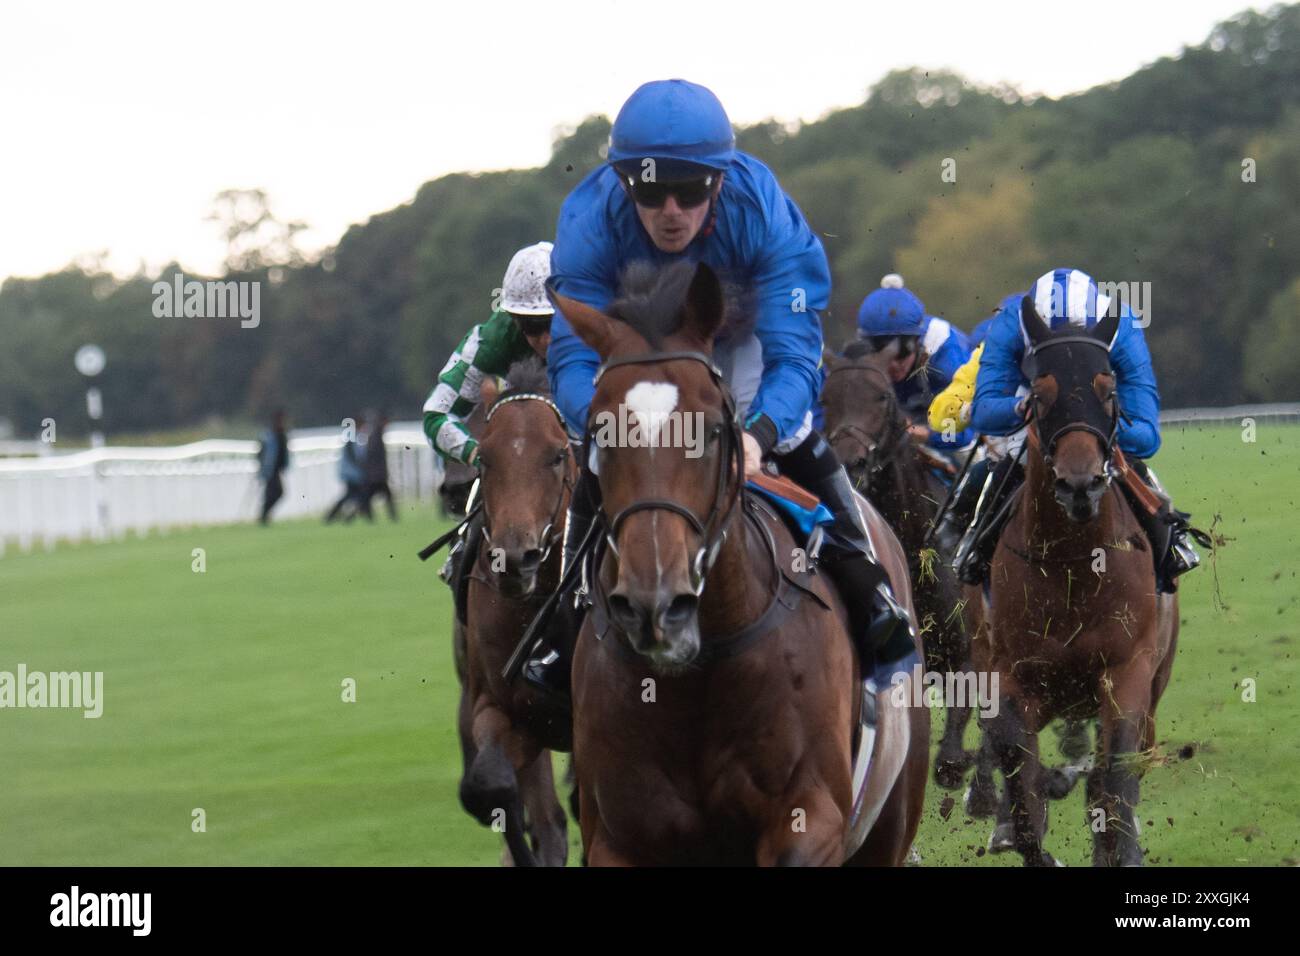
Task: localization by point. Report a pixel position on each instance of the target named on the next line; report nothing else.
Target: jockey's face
(537, 330)
(672, 227)
(901, 367)
(902, 355)
(540, 343)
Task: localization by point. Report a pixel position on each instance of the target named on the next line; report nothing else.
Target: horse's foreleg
(1103, 836)
(953, 760)
(546, 820)
(489, 790)
(1016, 750)
(982, 794)
(1125, 712)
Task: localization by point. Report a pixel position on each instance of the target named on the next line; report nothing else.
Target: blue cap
(673, 120)
(891, 310)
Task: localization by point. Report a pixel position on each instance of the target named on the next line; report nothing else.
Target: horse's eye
(560, 455)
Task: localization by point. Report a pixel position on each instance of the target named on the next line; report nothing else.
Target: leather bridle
(1029, 367)
(553, 530)
(713, 529)
(878, 449)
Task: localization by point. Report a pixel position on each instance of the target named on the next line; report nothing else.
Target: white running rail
(104, 493)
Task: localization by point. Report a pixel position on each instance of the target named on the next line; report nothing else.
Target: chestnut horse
(1077, 628)
(527, 474)
(868, 430)
(714, 692)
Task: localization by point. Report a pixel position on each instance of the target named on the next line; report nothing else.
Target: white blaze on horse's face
(651, 403)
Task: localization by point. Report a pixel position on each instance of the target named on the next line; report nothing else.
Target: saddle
(881, 731)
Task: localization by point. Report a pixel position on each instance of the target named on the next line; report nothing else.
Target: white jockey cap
(523, 291)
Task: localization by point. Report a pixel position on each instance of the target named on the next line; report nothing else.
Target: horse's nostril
(531, 560)
(679, 610)
(624, 613)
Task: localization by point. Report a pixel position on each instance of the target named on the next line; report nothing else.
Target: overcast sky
(122, 120)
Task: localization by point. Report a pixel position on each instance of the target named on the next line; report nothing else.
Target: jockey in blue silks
(1065, 297)
(676, 189)
(924, 353)
(977, 335)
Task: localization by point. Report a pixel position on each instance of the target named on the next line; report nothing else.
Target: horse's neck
(905, 500)
(738, 585)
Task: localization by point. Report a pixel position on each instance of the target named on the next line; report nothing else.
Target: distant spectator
(353, 475)
(376, 465)
(272, 458)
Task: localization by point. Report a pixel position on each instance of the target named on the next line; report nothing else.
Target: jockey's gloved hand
(759, 438)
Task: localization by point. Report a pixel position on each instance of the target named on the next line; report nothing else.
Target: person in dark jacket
(272, 459)
(353, 475)
(376, 468)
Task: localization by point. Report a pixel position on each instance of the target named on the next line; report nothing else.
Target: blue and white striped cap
(1068, 297)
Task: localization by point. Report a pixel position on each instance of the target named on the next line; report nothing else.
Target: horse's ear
(702, 311)
(1107, 330)
(592, 326)
(1035, 328)
(488, 392)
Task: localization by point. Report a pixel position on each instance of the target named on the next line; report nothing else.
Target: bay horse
(714, 692)
(868, 430)
(527, 473)
(1077, 628)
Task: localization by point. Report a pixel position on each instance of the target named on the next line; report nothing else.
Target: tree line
(1185, 175)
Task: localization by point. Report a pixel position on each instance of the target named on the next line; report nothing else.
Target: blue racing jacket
(994, 409)
(756, 238)
(948, 351)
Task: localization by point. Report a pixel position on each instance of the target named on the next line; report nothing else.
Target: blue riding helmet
(891, 310)
(673, 122)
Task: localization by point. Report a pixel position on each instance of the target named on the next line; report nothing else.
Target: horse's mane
(527, 375)
(651, 299)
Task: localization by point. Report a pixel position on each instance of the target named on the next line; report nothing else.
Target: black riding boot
(948, 533)
(1168, 530)
(975, 553)
(550, 662)
(880, 626)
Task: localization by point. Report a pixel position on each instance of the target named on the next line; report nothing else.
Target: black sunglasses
(689, 192)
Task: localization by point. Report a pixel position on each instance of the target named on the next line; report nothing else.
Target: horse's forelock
(651, 299)
(527, 375)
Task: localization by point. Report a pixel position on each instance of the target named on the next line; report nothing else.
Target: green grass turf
(223, 692)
